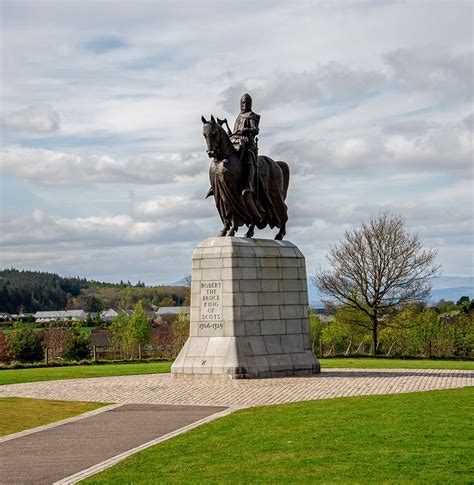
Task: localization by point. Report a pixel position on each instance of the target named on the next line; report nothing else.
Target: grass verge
(18, 414)
(15, 376)
(420, 437)
(381, 363)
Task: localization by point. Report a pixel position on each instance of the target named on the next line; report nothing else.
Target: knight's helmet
(248, 98)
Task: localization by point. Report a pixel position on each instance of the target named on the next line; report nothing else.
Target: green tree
(348, 331)
(78, 346)
(377, 268)
(167, 301)
(316, 330)
(119, 333)
(128, 332)
(89, 321)
(139, 325)
(25, 343)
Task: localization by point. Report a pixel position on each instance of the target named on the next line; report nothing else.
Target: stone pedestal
(249, 311)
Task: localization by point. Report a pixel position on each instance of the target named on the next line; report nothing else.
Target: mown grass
(15, 376)
(18, 414)
(381, 363)
(420, 437)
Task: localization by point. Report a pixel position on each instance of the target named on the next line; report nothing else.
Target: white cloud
(329, 81)
(173, 207)
(368, 101)
(41, 230)
(56, 168)
(38, 119)
(405, 146)
(444, 72)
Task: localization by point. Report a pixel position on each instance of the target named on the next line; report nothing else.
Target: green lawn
(18, 414)
(14, 376)
(421, 437)
(380, 363)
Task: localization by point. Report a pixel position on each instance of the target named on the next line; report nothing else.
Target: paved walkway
(155, 407)
(162, 389)
(52, 454)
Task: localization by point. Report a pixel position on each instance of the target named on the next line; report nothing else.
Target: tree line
(30, 291)
(444, 330)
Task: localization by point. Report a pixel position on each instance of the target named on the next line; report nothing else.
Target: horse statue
(236, 207)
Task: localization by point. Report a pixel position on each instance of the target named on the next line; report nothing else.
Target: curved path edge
(77, 477)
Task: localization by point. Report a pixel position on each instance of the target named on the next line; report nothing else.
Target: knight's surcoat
(246, 129)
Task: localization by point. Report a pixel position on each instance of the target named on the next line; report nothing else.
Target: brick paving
(163, 389)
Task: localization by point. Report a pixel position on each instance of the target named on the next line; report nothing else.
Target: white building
(48, 316)
(112, 313)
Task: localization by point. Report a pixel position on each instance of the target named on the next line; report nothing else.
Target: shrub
(172, 343)
(25, 343)
(5, 352)
(77, 347)
(316, 329)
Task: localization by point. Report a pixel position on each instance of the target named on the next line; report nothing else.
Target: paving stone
(162, 389)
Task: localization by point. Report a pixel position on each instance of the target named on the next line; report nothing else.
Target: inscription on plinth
(249, 311)
(210, 315)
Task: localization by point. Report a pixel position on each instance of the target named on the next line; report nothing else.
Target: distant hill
(445, 282)
(34, 290)
(444, 288)
(31, 291)
(451, 288)
(452, 294)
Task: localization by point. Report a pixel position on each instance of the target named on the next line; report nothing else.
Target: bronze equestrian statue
(248, 189)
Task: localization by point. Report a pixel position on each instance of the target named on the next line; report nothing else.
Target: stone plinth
(249, 311)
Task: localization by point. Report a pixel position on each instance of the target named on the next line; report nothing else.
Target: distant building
(166, 314)
(48, 316)
(112, 313)
(172, 310)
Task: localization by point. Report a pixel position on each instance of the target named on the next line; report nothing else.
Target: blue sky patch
(99, 45)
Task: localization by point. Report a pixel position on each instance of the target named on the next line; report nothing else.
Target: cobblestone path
(163, 389)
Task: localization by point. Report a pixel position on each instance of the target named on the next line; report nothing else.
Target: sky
(103, 163)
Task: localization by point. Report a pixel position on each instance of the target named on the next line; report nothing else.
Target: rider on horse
(245, 143)
(243, 139)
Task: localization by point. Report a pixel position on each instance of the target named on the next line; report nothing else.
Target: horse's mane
(227, 139)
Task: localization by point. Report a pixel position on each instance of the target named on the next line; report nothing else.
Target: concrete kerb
(77, 477)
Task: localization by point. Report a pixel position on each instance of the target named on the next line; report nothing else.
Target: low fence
(163, 344)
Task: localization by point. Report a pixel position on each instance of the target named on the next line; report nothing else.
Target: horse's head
(215, 136)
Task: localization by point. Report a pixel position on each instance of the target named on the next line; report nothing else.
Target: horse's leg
(233, 230)
(251, 231)
(282, 232)
(226, 228)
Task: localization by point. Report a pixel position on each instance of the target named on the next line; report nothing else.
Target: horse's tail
(286, 176)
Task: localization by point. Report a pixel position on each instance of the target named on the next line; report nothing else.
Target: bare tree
(377, 268)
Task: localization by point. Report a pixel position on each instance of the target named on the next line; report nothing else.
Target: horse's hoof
(222, 233)
(248, 235)
(279, 237)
